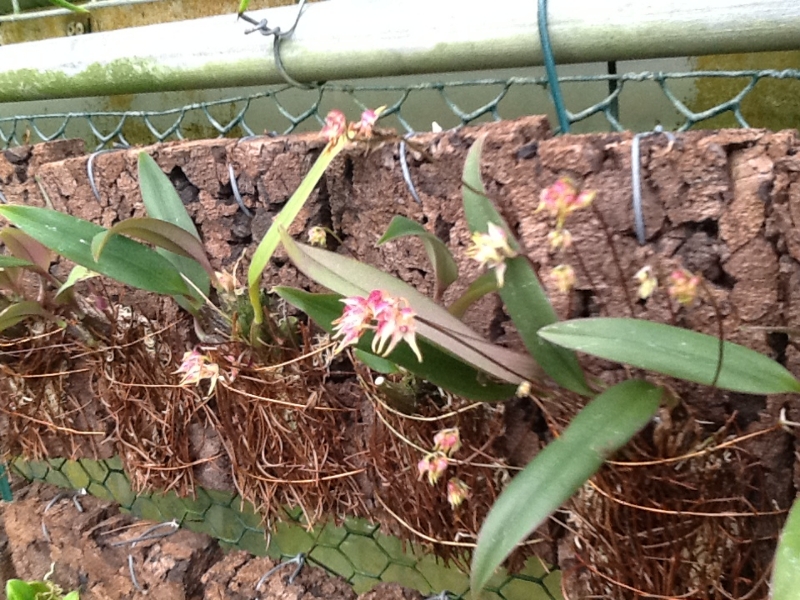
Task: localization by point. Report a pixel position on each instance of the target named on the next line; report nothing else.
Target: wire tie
(133, 574)
(149, 534)
(443, 595)
(278, 36)
(236, 194)
(404, 168)
(298, 560)
(636, 179)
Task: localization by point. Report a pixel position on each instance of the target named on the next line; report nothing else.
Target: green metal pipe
(361, 38)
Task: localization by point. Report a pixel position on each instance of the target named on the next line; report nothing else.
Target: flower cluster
(317, 236)
(196, 367)
(391, 318)
(445, 443)
(561, 200)
(336, 126)
(647, 281)
(682, 286)
(492, 249)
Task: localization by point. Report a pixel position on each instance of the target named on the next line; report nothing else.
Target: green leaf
(786, 574)
(673, 351)
(12, 262)
(25, 247)
(438, 367)
(561, 468)
(374, 362)
(530, 310)
(74, 595)
(522, 293)
(161, 201)
(125, 260)
(243, 4)
(78, 273)
(444, 265)
(485, 284)
(266, 248)
(69, 6)
(350, 277)
(20, 311)
(159, 233)
(478, 209)
(16, 589)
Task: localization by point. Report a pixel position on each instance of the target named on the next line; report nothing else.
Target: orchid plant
(389, 322)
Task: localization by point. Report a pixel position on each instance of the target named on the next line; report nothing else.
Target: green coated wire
(550, 67)
(5, 486)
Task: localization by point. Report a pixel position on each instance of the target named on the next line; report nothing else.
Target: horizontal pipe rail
(349, 39)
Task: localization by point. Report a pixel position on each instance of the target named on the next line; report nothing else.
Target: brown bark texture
(721, 204)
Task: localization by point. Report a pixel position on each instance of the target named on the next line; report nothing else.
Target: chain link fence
(413, 107)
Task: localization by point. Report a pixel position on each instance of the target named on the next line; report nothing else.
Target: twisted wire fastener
(298, 560)
(236, 194)
(404, 168)
(278, 36)
(636, 179)
(90, 168)
(149, 535)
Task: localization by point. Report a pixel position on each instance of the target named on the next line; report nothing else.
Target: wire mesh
(284, 109)
(357, 551)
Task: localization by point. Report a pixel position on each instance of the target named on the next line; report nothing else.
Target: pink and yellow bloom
(364, 128)
(335, 126)
(391, 318)
(491, 249)
(682, 286)
(433, 465)
(447, 441)
(563, 198)
(196, 367)
(457, 492)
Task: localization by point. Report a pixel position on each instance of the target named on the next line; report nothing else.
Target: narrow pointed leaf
(20, 311)
(25, 247)
(560, 469)
(266, 248)
(444, 265)
(438, 367)
(69, 6)
(159, 233)
(478, 209)
(786, 574)
(374, 362)
(350, 277)
(483, 285)
(11, 262)
(124, 259)
(673, 351)
(162, 202)
(524, 298)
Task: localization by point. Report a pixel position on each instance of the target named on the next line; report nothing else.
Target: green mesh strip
(234, 116)
(357, 551)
